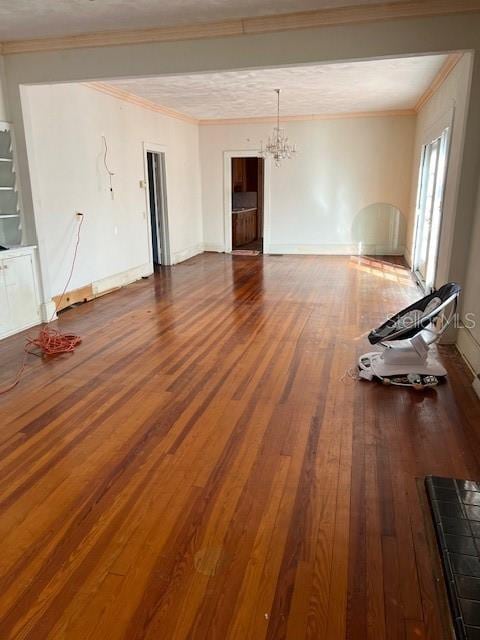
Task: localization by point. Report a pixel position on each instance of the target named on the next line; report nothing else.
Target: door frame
(227, 196)
(438, 136)
(165, 230)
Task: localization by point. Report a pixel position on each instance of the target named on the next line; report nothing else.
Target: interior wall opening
(157, 200)
(248, 178)
(433, 172)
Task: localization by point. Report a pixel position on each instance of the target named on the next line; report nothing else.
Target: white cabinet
(4, 313)
(19, 301)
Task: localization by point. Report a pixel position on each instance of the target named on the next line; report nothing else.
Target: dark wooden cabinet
(238, 174)
(244, 174)
(244, 228)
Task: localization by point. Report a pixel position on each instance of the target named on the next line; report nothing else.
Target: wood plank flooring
(201, 468)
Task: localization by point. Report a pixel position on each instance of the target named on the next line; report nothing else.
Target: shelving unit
(10, 221)
(19, 292)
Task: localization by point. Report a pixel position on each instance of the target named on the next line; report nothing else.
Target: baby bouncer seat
(406, 338)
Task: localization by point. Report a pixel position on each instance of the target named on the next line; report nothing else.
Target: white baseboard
(469, 349)
(24, 327)
(317, 249)
(476, 386)
(335, 249)
(470, 352)
(181, 256)
(48, 311)
(214, 247)
(121, 279)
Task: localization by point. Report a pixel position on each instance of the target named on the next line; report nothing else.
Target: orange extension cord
(51, 342)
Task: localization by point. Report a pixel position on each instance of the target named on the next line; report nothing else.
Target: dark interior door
(153, 198)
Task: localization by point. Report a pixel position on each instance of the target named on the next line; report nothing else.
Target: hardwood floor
(201, 468)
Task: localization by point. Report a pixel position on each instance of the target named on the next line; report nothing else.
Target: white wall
(448, 104)
(389, 38)
(469, 335)
(342, 167)
(3, 105)
(64, 127)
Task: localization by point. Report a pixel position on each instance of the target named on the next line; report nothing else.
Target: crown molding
(144, 103)
(267, 24)
(126, 96)
(125, 37)
(308, 118)
(449, 65)
(360, 13)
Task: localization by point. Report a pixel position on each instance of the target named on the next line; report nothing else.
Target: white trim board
(213, 247)
(186, 254)
(153, 147)
(469, 349)
(334, 249)
(476, 386)
(121, 279)
(227, 197)
(242, 26)
(102, 286)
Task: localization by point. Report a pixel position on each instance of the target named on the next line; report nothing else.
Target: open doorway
(248, 178)
(157, 199)
(433, 171)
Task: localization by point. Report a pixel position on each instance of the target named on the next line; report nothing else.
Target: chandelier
(277, 145)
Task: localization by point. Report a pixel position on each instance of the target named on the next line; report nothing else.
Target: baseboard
(469, 349)
(72, 297)
(99, 287)
(186, 254)
(24, 327)
(94, 290)
(213, 247)
(476, 386)
(335, 249)
(48, 311)
(318, 249)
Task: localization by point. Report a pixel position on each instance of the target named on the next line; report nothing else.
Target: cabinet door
(19, 278)
(4, 313)
(251, 230)
(238, 174)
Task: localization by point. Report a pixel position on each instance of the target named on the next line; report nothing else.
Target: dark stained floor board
(202, 468)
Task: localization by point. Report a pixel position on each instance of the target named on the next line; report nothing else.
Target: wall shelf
(10, 220)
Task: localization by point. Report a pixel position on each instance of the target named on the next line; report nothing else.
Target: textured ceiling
(374, 85)
(42, 18)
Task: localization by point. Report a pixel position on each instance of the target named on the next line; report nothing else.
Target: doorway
(247, 206)
(157, 200)
(433, 172)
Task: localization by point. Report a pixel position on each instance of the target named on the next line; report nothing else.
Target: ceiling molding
(126, 96)
(143, 103)
(448, 66)
(359, 13)
(125, 37)
(266, 24)
(309, 118)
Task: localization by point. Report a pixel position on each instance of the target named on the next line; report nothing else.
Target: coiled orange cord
(51, 342)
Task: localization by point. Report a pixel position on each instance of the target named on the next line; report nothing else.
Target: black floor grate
(456, 514)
